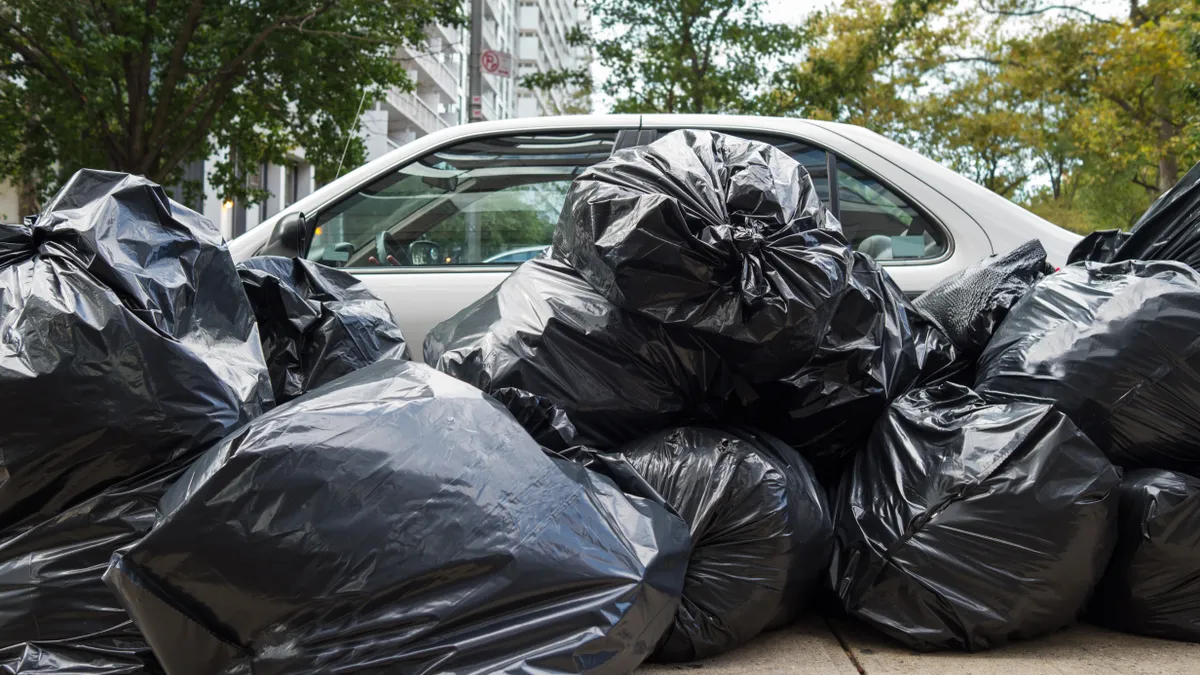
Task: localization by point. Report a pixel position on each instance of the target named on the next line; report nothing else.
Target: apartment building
(542, 45)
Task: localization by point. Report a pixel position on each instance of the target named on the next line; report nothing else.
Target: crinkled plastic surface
(1152, 586)
(398, 520)
(963, 525)
(617, 375)
(126, 346)
(316, 323)
(877, 348)
(969, 305)
(722, 235)
(544, 420)
(1115, 347)
(1099, 246)
(760, 526)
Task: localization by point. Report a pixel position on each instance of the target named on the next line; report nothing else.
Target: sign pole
(474, 76)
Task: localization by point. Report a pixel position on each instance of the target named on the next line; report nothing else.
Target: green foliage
(146, 86)
(682, 56)
(1084, 118)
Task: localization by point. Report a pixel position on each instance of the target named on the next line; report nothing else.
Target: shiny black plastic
(718, 234)
(877, 348)
(1168, 230)
(760, 526)
(616, 374)
(969, 305)
(316, 323)
(544, 420)
(398, 520)
(1152, 586)
(1117, 348)
(126, 348)
(963, 525)
(1099, 246)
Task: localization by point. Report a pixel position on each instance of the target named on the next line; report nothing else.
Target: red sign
(496, 63)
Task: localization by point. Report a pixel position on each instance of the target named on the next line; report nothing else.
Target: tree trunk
(27, 199)
(1168, 171)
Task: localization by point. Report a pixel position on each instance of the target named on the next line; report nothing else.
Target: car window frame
(832, 159)
(490, 268)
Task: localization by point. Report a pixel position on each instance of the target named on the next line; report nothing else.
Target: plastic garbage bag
(316, 323)
(541, 418)
(760, 526)
(617, 375)
(1099, 246)
(963, 525)
(1115, 347)
(1152, 586)
(1170, 228)
(877, 348)
(126, 346)
(399, 520)
(969, 305)
(711, 232)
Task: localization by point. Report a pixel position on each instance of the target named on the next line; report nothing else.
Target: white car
(436, 224)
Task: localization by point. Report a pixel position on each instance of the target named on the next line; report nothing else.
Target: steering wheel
(388, 250)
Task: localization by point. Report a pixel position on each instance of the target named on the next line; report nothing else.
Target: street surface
(812, 648)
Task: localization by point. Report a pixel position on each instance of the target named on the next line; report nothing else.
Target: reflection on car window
(880, 223)
(491, 201)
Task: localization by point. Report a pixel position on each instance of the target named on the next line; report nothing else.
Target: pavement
(837, 647)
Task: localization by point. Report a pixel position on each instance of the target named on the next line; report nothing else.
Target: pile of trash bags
(209, 467)
(699, 280)
(127, 348)
(400, 520)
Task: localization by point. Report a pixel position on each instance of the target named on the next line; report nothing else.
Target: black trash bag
(1115, 347)
(1152, 586)
(963, 525)
(714, 233)
(761, 533)
(1099, 246)
(617, 375)
(126, 347)
(878, 347)
(316, 323)
(398, 520)
(1170, 228)
(543, 420)
(969, 305)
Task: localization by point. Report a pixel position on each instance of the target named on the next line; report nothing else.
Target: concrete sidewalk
(812, 648)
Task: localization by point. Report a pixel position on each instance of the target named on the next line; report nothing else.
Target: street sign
(496, 63)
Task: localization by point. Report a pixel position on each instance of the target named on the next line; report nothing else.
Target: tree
(681, 56)
(145, 86)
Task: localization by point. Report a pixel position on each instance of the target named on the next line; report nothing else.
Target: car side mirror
(425, 252)
(290, 238)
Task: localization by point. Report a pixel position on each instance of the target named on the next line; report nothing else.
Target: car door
(913, 231)
(437, 233)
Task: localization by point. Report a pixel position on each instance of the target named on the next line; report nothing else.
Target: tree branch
(175, 70)
(1043, 10)
(216, 88)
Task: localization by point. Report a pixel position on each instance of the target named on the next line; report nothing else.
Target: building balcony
(430, 71)
(451, 36)
(415, 112)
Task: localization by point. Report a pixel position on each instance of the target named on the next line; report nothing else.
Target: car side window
(881, 223)
(490, 201)
(874, 218)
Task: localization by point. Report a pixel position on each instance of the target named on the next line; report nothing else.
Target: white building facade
(542, 46)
